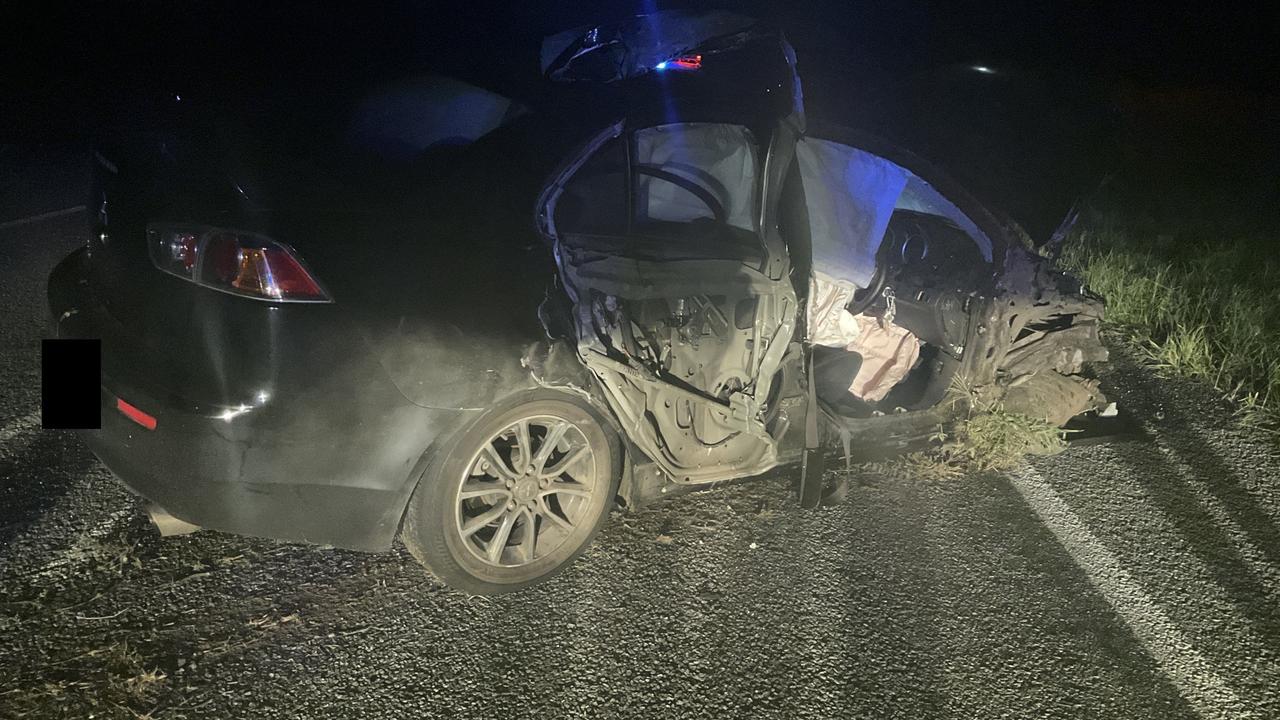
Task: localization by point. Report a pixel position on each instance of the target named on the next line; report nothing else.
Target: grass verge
(1203, 309)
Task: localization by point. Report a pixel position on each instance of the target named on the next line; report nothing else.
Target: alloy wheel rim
(526, 491)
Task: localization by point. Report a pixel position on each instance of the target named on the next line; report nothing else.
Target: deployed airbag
(888, 353)
(849, 195)
(830, 325)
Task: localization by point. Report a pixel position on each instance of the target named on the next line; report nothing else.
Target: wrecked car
(698, 285)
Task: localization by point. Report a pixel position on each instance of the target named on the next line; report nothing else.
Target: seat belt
(813, 462)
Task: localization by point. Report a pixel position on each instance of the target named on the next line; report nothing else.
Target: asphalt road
(1135, 579)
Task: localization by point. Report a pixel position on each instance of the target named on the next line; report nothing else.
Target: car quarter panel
(316, 444)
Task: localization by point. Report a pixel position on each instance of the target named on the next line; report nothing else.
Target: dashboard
(934, 268)
(930, 251)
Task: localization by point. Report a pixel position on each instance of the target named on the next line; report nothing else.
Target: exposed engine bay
(1053, 336)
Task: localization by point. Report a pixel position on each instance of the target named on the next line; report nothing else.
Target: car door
(883, 238)
(683, 308)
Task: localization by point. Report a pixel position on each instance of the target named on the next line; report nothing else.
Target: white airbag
(849, 195)
(830, 325)
(888, 353)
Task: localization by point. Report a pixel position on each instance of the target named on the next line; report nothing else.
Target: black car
(675, 281)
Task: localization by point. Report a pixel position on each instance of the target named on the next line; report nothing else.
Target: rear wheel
(514, 498)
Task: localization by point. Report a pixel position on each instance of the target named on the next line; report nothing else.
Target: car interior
(876, 230)
(906, 259)
(693, 196)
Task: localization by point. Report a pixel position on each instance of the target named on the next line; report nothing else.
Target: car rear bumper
(186, 474)
(331, 464)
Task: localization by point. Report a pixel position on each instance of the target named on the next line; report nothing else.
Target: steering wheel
(865, 298)
(891, 256)
(714, 205)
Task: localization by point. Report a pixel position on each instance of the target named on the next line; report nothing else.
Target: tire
(481, 492)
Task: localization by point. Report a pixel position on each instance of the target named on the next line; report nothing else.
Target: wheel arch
(588, 401)
(430, 511)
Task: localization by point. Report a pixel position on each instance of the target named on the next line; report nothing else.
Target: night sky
(1079, 90)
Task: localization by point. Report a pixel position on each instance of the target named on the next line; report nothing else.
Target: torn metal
(692, 257)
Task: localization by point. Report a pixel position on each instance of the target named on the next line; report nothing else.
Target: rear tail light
(242, 263)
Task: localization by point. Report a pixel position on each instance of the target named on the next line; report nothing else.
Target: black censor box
(70, 381)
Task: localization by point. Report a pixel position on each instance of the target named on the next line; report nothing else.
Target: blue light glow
(661, 66)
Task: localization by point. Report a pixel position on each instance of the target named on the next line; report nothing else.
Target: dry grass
(111, 681)
(988, 439)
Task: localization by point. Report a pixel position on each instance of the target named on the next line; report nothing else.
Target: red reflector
(136, 415)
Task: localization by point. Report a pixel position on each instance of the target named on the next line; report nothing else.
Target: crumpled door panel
(687, 353)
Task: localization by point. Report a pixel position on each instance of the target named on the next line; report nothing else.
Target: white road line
(19, 427)
(1204, 689)
(1250, 552)
(41, 217)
